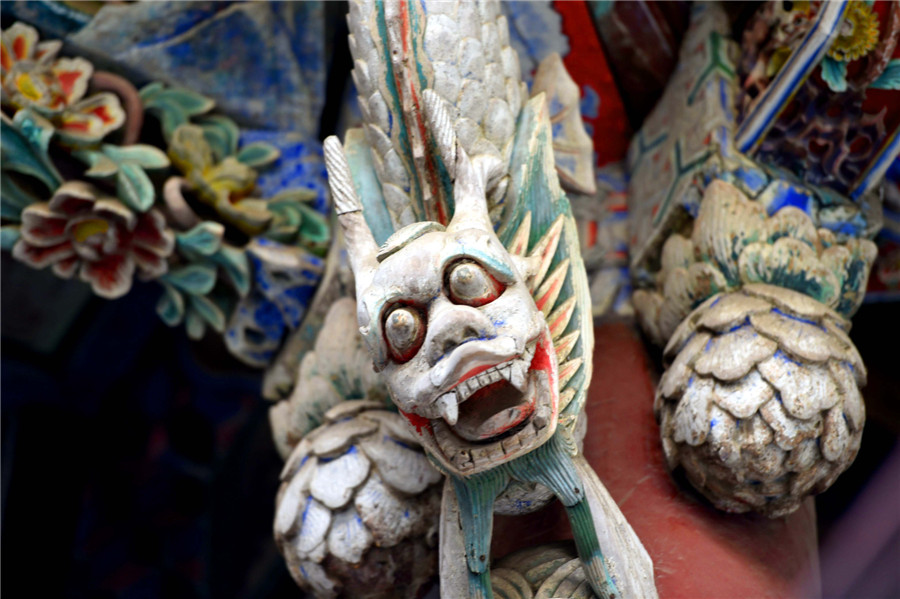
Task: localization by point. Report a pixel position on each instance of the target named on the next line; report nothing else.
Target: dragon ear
(361, 246)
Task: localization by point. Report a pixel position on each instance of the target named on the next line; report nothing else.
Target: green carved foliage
(195, 292)
(734, 243)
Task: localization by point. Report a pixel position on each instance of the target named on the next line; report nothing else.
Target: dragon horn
(470, 204)
(361, 246)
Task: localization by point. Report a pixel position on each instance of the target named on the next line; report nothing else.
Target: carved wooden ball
(761, 404)
(357, 511)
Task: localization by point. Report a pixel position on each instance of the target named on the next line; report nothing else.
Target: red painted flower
(32, 76)
(80, 229)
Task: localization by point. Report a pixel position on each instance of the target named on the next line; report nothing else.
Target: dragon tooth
(448, 407)
(519, 375)
(542, 416)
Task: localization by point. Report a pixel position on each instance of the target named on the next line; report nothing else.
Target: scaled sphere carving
(761, 403)
(357, 511)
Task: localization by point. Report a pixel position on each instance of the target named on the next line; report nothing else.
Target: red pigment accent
(67, 80)
(103, 113)
(543, 300)
(76, 125)
(587, 63)
(543, 361)
(418, 422)
(591, 234)
(404, 26)
(5, 60)
(19, 48)
(554, 323)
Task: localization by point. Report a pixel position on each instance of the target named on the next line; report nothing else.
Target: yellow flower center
(26, 85)
(85, 229)
(858, 33)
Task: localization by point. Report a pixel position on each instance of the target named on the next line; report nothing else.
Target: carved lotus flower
(32, 76)
(735, 243)
(82, 230)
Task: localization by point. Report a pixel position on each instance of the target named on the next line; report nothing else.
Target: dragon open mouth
(496, 412)
(493, 401)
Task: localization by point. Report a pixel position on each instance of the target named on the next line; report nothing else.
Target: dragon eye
(404, 331)
(469, 284)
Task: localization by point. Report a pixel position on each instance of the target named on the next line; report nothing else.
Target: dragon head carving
(451, 324)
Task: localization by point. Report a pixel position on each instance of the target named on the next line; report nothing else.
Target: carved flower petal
(676, 377)
(348, 538)
(92, 118)
(792, 264)
(152, 235)
(66, 268)
(789, 431)
(338, 436)
(802, 338)
(315, 520)
(45, 52)
(73, 75)
(723, 436)
(854, 409)
(334, 480)
(805, 388)
(43, 227)
(19, 41)
(677, 252)
(794, 223)
(315, 576)
(391, 516)
(731, 355)
(731, 311)
(73, 197)
(402, 468)
(116, 212)
(726, 223)
(290, 506)
(743, 397)
(39, 257)
(692, 413)
(835, 436)
(110, 276)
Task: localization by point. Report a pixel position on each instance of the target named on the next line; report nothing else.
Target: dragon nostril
(470, 332)
(458, 337)
(448, 346)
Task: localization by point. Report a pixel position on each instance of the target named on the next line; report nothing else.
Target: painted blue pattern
(300, 165)
(263, 63)
(535, 31)
(276, 304)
